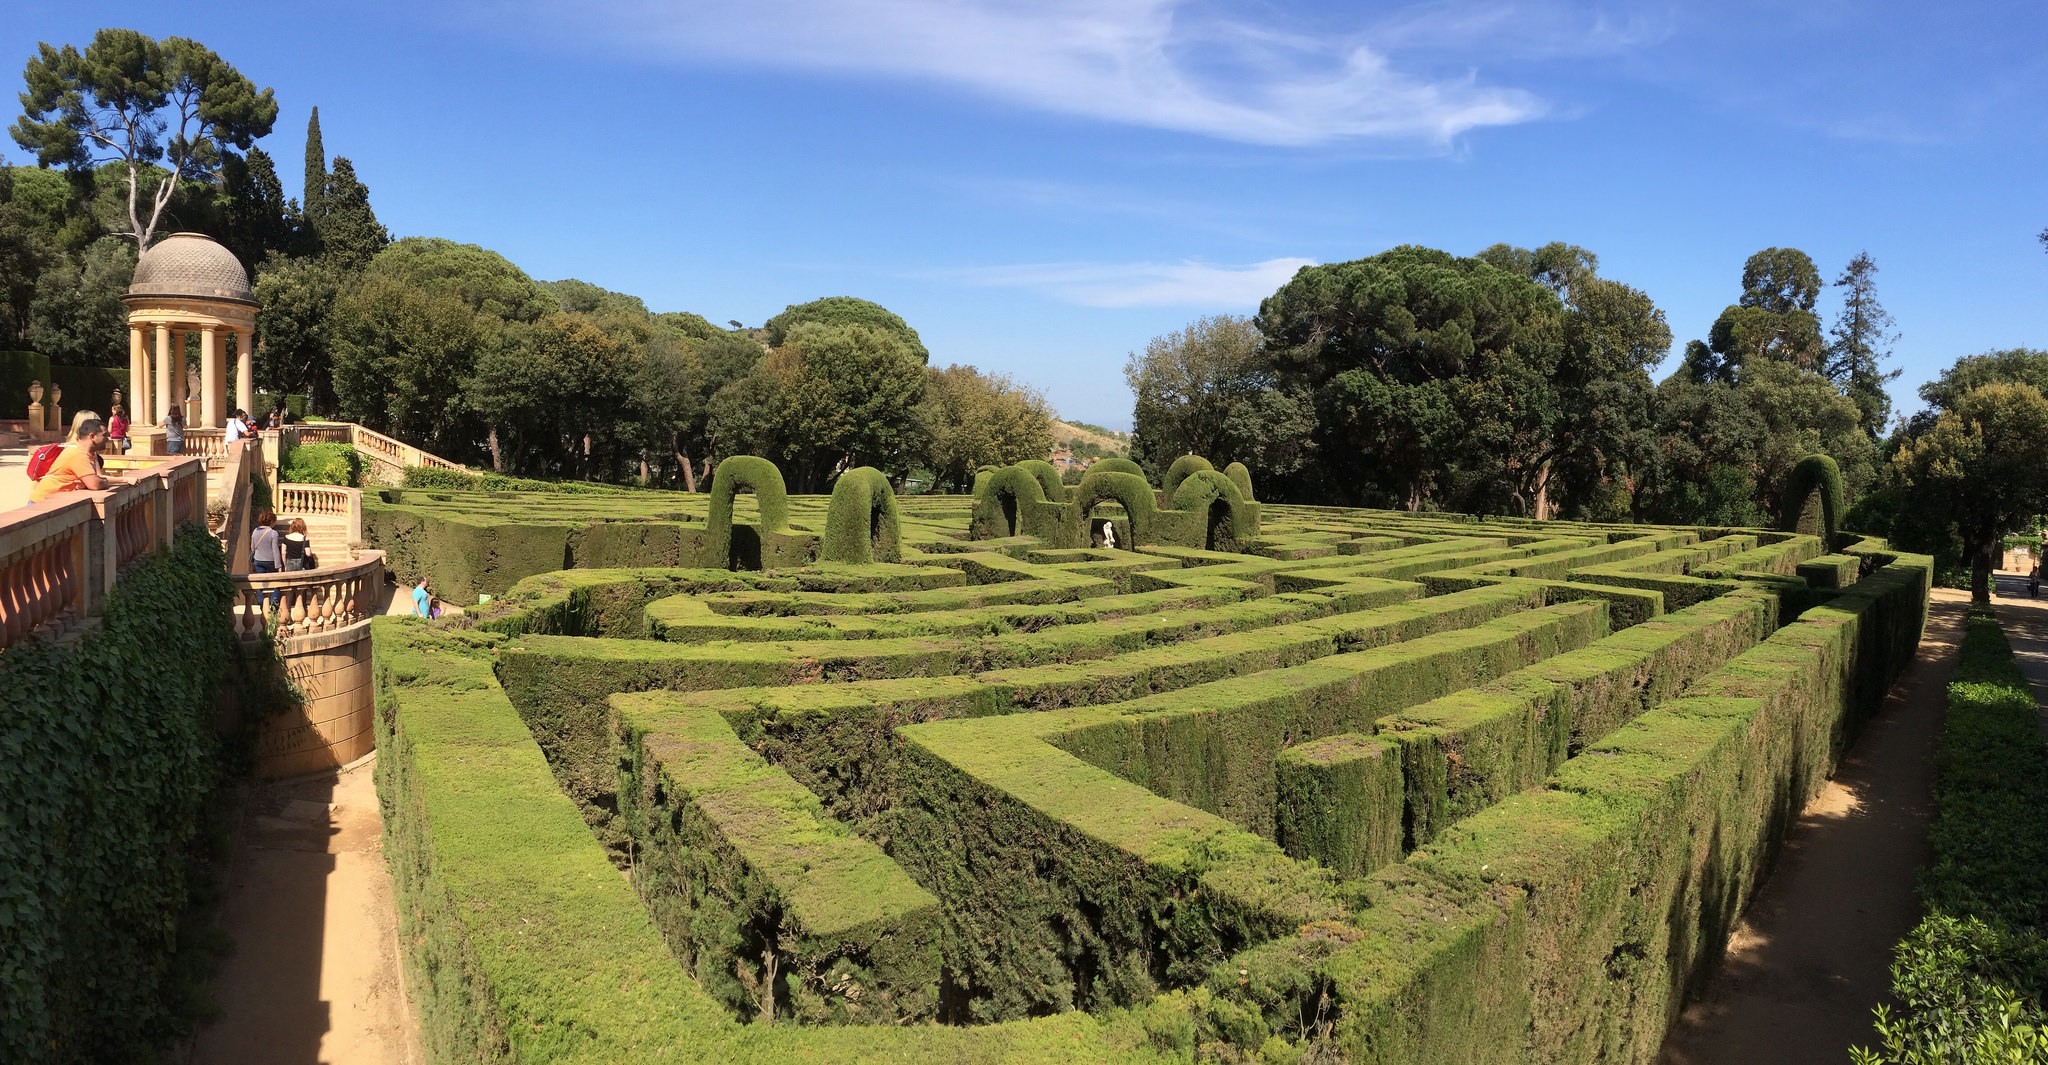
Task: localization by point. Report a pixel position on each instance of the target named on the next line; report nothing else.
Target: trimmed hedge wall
(834, 811)
(1972, 976)
(109, 754)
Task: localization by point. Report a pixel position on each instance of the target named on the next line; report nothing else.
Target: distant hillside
(1109, 441)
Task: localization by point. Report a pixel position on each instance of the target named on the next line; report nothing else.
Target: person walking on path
(174, 433)
(77, 466)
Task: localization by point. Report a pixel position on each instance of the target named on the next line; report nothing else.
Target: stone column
(138, 372)
(245, 370)
(162, 396)
(181, 385)
(212, 389)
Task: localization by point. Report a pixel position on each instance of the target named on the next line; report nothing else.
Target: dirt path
(1812, 955)
(314, 976)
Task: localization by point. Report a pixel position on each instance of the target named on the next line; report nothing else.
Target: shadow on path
(1811, 958)
(314, 976)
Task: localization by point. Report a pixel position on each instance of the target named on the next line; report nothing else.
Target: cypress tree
(349, 231)
(316, 169)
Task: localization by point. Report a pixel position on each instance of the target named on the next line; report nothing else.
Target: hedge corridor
(1366, 786)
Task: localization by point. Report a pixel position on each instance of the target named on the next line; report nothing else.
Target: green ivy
(107, 756)
(1971, 977)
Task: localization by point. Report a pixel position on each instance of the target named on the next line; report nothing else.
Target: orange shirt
(67, 474)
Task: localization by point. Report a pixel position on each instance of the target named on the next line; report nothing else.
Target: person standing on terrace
(174, 433)
(117, 429)
(77, 468)
(237, 428)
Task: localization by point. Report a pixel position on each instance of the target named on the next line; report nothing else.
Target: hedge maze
(926, 779)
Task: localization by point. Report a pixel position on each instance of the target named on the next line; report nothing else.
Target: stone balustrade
(309, 602)
(60, 558)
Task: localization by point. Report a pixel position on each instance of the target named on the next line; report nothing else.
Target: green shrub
(109, 755)
(1241, 476)
(322, 464)
(1972, 976)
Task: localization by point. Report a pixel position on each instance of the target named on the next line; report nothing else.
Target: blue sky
(1040, 187)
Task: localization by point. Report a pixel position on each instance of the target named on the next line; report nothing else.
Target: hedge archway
(862, 524)
(1127, 489)
(1183, 468)
(1227, 521)
(1003, 500)
(739, 473)
(1241, 476)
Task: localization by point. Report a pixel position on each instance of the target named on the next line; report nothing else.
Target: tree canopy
(1979, 467)
(844, 310)
(131, 99)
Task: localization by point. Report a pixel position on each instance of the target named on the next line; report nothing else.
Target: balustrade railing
(210, 443)
(324, 432)
(44, 556)
(59, 558)
(309, 602)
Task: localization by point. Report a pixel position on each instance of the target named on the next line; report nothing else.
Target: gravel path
(1812, 956)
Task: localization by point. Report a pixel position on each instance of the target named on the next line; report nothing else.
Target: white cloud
(1182, 284)
(1154, 63)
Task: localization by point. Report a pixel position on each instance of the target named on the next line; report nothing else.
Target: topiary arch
(753, 474)
(1003, 500)
(1226, 522)
(1117, 465)
(1128, 489)
(1048, 479)
(1813, 499)
(862, 524)
(1182, 468)
(1241, 476)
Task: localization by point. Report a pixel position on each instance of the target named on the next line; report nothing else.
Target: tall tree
(1862, 339)
(77, 316)
(1773, 319)
(1211, 389)
(295, 299)
(315, 189)
(1980, 466)
(350, 235)
(970, 419)
(131, 99)
(1427, 371)
(851, 394)
(844, 310)
(257, 220)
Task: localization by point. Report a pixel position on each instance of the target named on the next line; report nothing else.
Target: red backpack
(40, 461)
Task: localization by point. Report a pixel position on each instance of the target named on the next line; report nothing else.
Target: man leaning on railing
(77, 468)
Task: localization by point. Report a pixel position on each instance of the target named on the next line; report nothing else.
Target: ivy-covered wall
(107, 753)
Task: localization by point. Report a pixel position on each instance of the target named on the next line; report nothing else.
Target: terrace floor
(13, 481)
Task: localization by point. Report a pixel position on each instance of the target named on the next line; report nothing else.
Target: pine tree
(1861, 341)
(316, 170)
(349, 230)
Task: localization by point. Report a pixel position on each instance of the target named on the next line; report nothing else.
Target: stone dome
(191, 266)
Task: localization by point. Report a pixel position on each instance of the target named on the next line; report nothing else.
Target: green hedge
(322, 464)
(90, 388)
(462, 480)
(522, 943)
(109, 753)
(17, 369)
(1182, 467)
(1972, 977)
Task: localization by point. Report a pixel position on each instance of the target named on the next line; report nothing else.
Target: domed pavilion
(188, 283)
